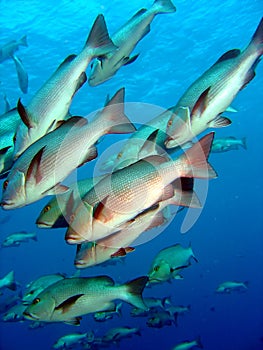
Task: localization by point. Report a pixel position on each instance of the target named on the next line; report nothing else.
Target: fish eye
(36, 301)
(47, 208)
(5, 184)
(156, 268)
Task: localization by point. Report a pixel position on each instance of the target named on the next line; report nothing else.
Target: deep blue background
(227, 238)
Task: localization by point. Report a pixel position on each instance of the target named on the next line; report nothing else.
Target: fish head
(41, 308)
(51, 215)
(99, 73)
(14, 194)
(159, 272)
(30, 295)
(86, 255)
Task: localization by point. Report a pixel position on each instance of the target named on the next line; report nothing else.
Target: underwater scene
(130, 175)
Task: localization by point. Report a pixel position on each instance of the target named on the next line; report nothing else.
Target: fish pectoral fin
(68, 303)
(129, 60)
(90, 155)
(200, 104)
(74, 321)
(81, 81)
(25, 117)
(219, 122)
(34, 167)
(57, 189)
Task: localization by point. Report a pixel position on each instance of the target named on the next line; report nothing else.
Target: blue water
(226, 239)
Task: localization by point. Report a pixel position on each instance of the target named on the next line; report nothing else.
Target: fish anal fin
(68, 303)
(120, 252)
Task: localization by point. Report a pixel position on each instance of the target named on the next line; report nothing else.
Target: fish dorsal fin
(149, 146)
(72, 121)
(137, 14)
(228, 55)
(68, 303)
(66, 61)
(108, 281)
(24, 115)
(200, 104)
(4, 150)
(34, 167)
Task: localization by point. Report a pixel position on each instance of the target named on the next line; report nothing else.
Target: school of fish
(104, 217)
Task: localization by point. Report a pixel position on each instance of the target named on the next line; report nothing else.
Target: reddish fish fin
(34, 168)
(120, 252)
(68, 303)
(201, 103)
(129, 249)
(98, 211)
(24, 115)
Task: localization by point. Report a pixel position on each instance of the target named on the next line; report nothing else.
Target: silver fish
(70, 298)
(40, 169)
(52, 101)
(229, 143)
(124, 194)
(8, 50)
(8, 281)
(189, 344)
(126, 38)
(21, 74)
(230, 286)
(69, 340)
(208, 97)
(15, 239)
(115, 334)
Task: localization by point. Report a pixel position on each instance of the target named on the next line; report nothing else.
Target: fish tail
(133, 292)
(199, 342)
(113, 115)
(23, 41)
(257, 38)
(163, 6)
(244, 142)
(10, 277)
(99, 39)
(195, 159)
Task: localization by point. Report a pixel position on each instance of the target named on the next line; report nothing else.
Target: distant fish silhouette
(21, 74)
(7, 51)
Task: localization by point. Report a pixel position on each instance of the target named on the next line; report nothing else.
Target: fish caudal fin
(99, 39)
(257, 39)
(113, 115)
(196, 159)
(23, 41)
(244, 143)
(163, 6)
(10, 278)
(133, 292)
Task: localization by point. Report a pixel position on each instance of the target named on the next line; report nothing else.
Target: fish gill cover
(217, 276)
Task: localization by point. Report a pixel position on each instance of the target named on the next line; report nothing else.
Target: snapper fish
(51, 102)
(70, 298)
(69, 340)
(229, 143)
(115, 334)
(15, 239)
(126, 38)
(120, 243)
(189, 344)
(208, 97)
(8, 281)
(21, 74)
(169, 262)
(40, 169)
(124, 194)
(7, 51)
(232, 286)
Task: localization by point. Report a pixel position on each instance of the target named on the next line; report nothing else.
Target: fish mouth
(42, 224)
(80, 264)
(7, 204)
(30, 316)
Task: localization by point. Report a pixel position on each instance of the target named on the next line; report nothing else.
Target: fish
(160, 319)
(70, 298)
(124, 194)
(8, 281)
(121, 243)
(7, 51)
(126, 38)
(153, 304)
(57, 211)
(169, 262)
(201, 106)
(178, 309)
(102, 316)
(21, 74)
(37, 286)
(229, 143)
(40, 169)
(115, 334)
(186, 345)
(9, 122)
(69, 340)
(232, 286)
(14, 314)
(15, 239)
(7, 103)
(51, 102)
